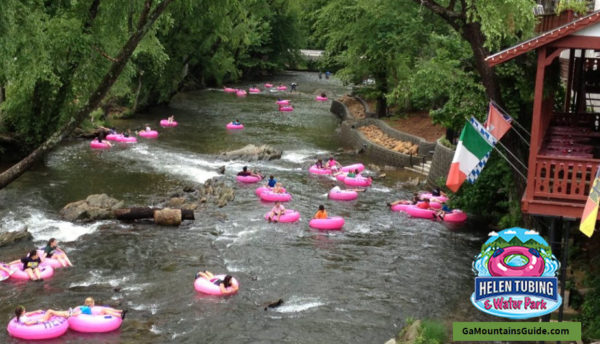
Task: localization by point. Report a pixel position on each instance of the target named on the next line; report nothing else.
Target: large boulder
(7, 238)
(253, 153)
(93, 208)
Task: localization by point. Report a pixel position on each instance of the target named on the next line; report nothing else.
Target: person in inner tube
(245, 173)
(224, 284)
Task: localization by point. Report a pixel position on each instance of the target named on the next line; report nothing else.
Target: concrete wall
(440, 165)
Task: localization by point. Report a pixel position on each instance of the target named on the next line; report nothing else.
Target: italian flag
(471, 148)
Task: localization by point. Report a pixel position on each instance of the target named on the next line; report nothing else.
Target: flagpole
(522, 138)
(493, 144)
(510, 163)
(513, 155)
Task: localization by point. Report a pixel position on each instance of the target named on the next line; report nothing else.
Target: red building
(564, 150)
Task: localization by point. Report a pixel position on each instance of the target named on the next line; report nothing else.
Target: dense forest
(68, 63)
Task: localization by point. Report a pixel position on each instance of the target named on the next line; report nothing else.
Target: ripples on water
(358, 285)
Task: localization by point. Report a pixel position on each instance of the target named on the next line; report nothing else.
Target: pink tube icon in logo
(532, 267)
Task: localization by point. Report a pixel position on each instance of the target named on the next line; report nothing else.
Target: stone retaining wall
(425, 148)
(339, 109)
(440, 165)
(355, 139)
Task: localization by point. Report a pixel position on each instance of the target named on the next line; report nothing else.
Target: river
(358, 285)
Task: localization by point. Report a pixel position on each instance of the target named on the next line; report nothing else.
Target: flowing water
(358, 285)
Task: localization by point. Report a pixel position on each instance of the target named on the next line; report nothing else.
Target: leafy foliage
(54, 53)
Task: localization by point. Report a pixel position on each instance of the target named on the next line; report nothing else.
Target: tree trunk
(381, 107)
(138, 213)
(471, 32)
(167, 217)
(145, 22)
(382, 87)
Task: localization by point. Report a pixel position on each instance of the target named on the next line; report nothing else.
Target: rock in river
(253, 153)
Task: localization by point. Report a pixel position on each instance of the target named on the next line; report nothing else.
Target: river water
(358, 285)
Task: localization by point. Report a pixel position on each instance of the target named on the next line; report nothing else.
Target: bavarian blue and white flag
(472, 177)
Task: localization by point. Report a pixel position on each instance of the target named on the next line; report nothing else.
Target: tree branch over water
(147, 18)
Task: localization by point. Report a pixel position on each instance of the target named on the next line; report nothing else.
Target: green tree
(378, 39)
(65, 48)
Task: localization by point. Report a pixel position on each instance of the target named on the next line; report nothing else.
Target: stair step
(417, 169)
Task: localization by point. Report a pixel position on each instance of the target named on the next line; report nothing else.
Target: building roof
(574, 27)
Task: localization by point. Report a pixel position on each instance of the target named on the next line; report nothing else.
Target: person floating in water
(414, 200)
(277, 211)
(89, 303)
(171, 119)
(236, 122)
(245, 173)
(224, 285)
(321, 213)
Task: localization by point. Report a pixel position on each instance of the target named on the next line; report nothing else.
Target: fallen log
(137, 213)
(167, 217)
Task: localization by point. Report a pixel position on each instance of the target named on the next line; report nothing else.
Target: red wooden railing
(564, 178)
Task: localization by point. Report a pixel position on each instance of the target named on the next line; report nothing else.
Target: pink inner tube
(456, 216)
(240, 93)
(46, 271)
(205, 286)
(270, 196)
(313, 169)
(322, 99)
(166, 123)
(113, 137)
(129, 139)
(3, 274)
(248, 179)
(54, 263)
(148, 134)
(53, 328)
(357, 181)
(268, 85)
(282, 88)
(286, 108)
(332, 223)
(351, 168)
(99, 145)
(343, 195)
(400, 207)
(498, 267)
(432, 198)
(415, 211)
(254, 90)
(283, 102)
(230, 125)
(262, 189)
(435, 205)
(341, 176)
(94, 323)
(229, 90)
(289, 216)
